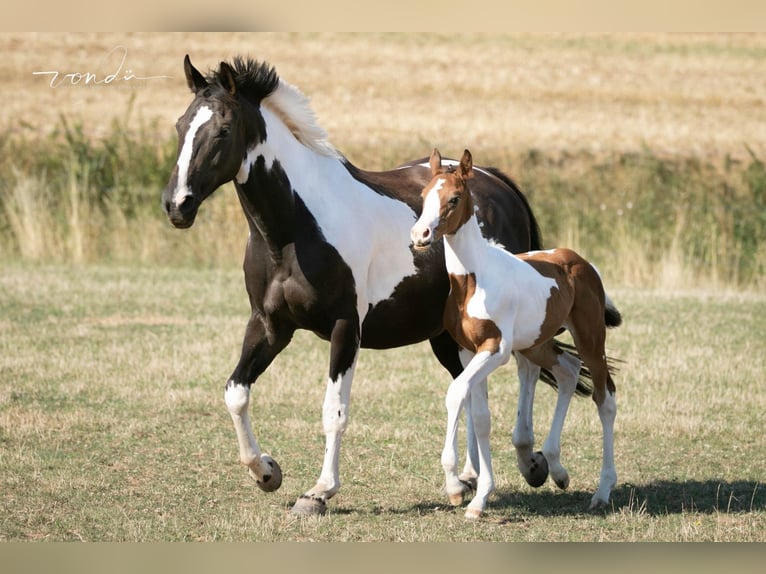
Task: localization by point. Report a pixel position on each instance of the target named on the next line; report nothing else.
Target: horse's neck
(266, 186)
(465, 249)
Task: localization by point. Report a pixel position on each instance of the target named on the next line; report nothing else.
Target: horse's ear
(435, 162)
(466, 165)
(194, 79)
(226, 74)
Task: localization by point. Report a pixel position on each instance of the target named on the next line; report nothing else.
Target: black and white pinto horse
(328, 249)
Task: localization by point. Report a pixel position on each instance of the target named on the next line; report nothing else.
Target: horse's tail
(612, 317)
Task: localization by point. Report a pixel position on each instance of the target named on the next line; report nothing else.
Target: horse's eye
(223, 132)
(453, 201)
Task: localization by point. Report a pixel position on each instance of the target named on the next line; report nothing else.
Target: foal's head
(447, 201)
(212, 139)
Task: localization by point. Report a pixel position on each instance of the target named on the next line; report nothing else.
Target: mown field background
(645, 152)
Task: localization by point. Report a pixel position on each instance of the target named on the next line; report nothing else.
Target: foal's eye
(224, 131)
(453, 201)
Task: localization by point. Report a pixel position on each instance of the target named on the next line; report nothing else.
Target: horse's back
(503, 210)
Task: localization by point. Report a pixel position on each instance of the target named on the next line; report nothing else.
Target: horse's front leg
(475, 374)
(344, 351)
(260, 346)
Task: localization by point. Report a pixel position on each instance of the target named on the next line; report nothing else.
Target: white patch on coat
(184, 158)
(370, 231)
(502, 282)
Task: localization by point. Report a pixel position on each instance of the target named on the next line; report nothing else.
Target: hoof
(562, 483)
(309, 506)
(538, 470)
(597, 504)
(456, 499)
(273, 481)
(472, 514)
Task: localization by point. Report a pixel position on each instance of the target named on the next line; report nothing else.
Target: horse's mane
(259, 82)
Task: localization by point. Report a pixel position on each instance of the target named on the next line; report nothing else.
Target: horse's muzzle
(181, 215)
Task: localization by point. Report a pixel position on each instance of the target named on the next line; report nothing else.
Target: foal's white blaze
(429, 217)
(184, 158)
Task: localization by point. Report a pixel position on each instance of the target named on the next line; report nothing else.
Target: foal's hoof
(456, 499)
(538, 470)
(597, 504)
(273, 481)
(472, 513)
(308, 505)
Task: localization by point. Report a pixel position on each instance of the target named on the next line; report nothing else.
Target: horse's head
(212, 142)
(447, 202)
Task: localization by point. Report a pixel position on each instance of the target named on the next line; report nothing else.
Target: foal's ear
(466, 165)
(436, 162)
(226, 75)
(194, 79)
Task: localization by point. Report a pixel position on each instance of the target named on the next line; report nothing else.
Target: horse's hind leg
(565, 369)
(590, 344)
(533, 466)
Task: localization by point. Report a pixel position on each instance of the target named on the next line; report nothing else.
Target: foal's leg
(344, 351)
(565, 368)
(478, 369)
(485, 484)
(533, 466)
(590, 340)
(258, 351)
(471, 469)
(454, 359)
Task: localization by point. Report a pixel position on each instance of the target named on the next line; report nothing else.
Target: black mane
(255, 80)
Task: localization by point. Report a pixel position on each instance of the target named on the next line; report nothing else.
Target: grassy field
(113, 427)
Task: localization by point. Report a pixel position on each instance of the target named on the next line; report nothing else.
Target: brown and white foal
(501, 304)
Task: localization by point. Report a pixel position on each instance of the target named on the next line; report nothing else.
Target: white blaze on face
(429, 218)
(184, 158)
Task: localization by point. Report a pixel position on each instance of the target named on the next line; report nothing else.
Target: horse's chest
(465, 316)
(372, 240)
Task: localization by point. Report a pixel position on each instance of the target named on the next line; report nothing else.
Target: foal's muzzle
(421, 237)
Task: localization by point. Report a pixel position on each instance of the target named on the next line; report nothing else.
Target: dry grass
(678, 94)
(113, 427)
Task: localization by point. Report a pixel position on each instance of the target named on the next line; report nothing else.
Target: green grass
(113, 427)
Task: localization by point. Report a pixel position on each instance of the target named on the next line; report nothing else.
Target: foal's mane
(259, 82)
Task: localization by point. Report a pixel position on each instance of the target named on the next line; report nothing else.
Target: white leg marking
(607, 413)
(482, 426)
(565, 373)
(184, 158)
(471, 468)
(475, 372)
(237, 399)
(524, 433)
(334, 420)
